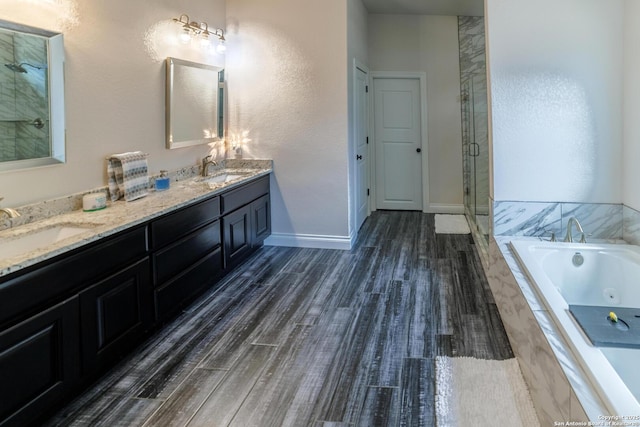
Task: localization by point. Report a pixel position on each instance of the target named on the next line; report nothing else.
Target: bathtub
(601, 275)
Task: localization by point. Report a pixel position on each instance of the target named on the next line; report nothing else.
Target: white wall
(287, 80)
(114, 87)
(631, 150)
(428, 44)
(556, 98)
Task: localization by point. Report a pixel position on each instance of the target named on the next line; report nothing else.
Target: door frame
(421, 76)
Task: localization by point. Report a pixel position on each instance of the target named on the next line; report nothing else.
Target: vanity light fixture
(194, 30)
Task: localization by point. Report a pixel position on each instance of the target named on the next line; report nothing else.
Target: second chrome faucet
(574, 221)
(206, 162)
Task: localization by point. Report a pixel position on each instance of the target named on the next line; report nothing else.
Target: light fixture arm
(198, 28)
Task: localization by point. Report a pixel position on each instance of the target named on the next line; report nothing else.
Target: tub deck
(617, 384)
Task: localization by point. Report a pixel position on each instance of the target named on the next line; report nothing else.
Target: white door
(398, 134)
(361, 147)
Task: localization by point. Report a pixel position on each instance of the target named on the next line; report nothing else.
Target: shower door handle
(476, 150)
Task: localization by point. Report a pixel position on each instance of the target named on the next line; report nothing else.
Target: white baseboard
(310, 241)
(441, 208)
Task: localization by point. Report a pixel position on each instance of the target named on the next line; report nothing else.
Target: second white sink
(224, 177)
(11, 246)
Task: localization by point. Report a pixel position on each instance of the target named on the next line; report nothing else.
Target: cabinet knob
(418, 150)
(358, 157)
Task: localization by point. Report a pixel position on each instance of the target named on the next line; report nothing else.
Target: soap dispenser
(163, 181)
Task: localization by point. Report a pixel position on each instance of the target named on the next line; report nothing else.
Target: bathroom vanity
(67, 318)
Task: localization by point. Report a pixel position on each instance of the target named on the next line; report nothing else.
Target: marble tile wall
(472, 46)
(539, 219)
(631, 225)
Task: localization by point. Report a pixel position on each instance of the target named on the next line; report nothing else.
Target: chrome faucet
(11, 213)
(206, 162)
(568, 237)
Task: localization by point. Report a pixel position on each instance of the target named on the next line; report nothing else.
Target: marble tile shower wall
(472, 50)
(23, 98)
(539, 219)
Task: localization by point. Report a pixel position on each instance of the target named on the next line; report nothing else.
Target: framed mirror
(32, 119)
(194, 103)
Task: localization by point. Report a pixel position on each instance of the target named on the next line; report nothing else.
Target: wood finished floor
(312, 337)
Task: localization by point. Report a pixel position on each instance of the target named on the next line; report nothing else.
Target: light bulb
(185, 35)
(204, 40)
(221, 48)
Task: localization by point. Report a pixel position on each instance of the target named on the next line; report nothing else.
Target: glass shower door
(475, 145)
(468, 149)
(481, 153)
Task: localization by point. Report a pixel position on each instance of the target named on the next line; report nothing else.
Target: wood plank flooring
(311, 337)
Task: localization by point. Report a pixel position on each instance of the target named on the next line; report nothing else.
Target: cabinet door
(237, 236)
(39, 363)
(260, 220)
(115, 313)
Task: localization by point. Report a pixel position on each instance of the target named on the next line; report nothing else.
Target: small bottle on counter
(163, 182)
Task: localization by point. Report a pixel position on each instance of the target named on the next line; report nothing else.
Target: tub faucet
(206, 162)
(11, 213)
(569, 237)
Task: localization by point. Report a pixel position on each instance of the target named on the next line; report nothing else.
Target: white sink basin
(11, 246)
(224, 177)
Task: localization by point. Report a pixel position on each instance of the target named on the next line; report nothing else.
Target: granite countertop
(121, 215)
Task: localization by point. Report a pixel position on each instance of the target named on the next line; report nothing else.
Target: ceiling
(426, 7)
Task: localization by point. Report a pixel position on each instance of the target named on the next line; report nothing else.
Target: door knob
(418, 150)
(358, 157)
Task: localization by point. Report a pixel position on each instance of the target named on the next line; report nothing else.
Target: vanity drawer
(28, 289)
(245, 194)
(175, 258)
(175, 293)
(172, 227)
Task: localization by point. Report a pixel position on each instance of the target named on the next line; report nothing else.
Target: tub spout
(568, 237)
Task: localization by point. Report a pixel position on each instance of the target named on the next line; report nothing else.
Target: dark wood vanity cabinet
(260, 220)
(114, 314)
(246, 221)
(65, 321)
(190, 259)
(53, 315)
(39, 363)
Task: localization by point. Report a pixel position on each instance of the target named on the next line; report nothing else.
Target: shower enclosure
(475, 150)
(475, 125)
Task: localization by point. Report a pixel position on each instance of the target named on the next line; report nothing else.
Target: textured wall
(631, 150)
(556, 96)
(114, 88)
(429, 44)
(287, 79)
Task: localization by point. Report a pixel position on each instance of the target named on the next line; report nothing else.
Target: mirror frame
(57, 126)
(171, 63)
